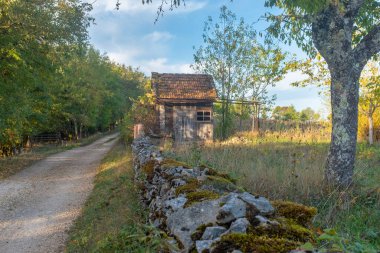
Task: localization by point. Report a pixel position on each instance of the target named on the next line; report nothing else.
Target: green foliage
(136, 238)
(239, 64)
(289, 113)
(294, 23)
(51, 80)
(309, 114)
(285, 113)
(142, 110)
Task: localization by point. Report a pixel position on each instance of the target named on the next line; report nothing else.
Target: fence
(47, 138)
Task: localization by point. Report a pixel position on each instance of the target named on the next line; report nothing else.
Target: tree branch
(354, 6)
(368, 46)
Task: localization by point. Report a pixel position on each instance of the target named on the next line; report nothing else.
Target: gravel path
(39, 204)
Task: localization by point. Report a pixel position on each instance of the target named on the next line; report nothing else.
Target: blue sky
(131, 37)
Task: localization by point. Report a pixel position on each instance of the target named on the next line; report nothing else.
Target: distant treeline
(51, 79)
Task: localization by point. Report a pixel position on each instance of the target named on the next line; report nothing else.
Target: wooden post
(138, 131)
(255, 120)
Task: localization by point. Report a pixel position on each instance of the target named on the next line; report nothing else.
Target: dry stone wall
(202, 210)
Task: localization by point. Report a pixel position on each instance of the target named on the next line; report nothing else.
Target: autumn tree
(369, 98)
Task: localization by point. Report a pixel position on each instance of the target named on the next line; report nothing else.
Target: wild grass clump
(290, 166)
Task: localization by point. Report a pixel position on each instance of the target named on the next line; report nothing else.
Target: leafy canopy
(294, 23)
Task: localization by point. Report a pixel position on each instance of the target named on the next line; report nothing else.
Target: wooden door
(184, 128)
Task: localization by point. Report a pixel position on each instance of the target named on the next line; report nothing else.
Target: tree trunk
(370, 129)
(80, 130)
(241, 117)
(75, 129)
(332, 33)
(344, 101)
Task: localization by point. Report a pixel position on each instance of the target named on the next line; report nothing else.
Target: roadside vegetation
(52, 80)
(12, 165)
(289, 166)
(112, 219)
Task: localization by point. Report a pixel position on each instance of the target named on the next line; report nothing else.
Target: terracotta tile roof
(183, 86)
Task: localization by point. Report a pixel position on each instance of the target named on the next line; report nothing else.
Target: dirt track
(39, 204)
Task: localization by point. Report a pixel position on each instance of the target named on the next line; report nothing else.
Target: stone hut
(184, 105)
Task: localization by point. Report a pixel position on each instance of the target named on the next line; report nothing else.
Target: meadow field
(289, 165)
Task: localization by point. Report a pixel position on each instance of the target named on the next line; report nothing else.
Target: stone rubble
(195, 214)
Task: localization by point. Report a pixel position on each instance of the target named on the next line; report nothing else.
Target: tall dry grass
(290, 165)
(279, 165)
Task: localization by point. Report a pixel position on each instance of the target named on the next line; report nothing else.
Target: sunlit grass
(113, 219)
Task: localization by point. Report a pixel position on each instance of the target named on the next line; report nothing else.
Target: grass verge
(12, 165)
(112, 219)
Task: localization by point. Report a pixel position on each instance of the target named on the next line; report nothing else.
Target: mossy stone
(171, 163)
(191, 186)
(198, 196)
(287, 229)
(301, 214)
(197, 235)
(213, 172)
(254, 243)
(148, 169)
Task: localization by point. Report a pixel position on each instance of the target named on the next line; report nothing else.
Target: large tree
(347, 35)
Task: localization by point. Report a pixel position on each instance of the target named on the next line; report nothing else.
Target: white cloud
(124, 56)
(289, 78)
(163, 66)
(136, 6)
(158, 36)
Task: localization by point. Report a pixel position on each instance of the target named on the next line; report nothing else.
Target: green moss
(198, 196)
(287, 229)
(192, 185)
(197, 235)
(221, 184)
(148, 169)
(253, 243)
(213, 172)
(170, 163)
(297, 212)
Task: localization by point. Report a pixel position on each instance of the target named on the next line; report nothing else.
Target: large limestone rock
(212, 233)
(233, 209)
(260, 203)
(184, 222)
